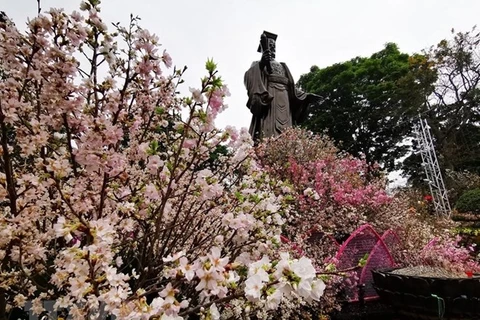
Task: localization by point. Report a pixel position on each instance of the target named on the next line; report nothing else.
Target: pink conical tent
(379, 257)
(365, 240)
(391, 240)
(360, 243)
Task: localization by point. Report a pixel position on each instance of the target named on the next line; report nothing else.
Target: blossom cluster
(332, 191)
(447, 253)
(266, 283)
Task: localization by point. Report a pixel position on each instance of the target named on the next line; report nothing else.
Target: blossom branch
(12, 196)
(339, 272)
(208, 304)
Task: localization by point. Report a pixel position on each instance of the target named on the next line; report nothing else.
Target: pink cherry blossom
(197, 95)
(253, 287)
(167, 59)
(317, 289)
(168, 293)
(208, 279)
(186, 268)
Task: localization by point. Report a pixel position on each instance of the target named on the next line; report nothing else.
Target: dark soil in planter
(430, 272)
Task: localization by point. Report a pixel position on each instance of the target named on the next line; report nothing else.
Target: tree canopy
(452, 108)
(369, 103)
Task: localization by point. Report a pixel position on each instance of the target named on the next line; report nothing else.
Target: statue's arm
(258, 97)
(310, 98)
(304, 102)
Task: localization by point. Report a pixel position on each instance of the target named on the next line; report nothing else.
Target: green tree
(455, 104)
(370, 103)
(452, 107)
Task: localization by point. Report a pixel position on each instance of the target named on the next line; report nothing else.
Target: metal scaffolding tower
(432, 168)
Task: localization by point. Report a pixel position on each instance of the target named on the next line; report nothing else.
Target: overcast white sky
(310, 32)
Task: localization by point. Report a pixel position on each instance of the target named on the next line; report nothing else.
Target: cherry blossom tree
(118, 195)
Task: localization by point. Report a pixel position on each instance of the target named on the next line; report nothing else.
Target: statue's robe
(273, 100)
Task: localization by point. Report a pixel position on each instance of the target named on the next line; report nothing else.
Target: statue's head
(267, 41)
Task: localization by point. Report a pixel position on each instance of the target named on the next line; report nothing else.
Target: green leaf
(240, 196)
(153, 147)
(159, 110)
(210, 66)
(202, 115)
(217, 82)
(331, 267)
(363, 261)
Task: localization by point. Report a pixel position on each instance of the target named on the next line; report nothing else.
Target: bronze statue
(273, 99)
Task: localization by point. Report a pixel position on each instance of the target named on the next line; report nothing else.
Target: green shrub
(469, 201)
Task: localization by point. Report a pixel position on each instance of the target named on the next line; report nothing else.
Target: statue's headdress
(263, 39)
